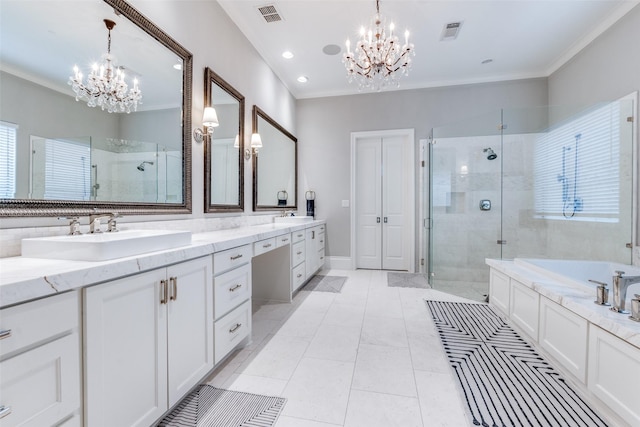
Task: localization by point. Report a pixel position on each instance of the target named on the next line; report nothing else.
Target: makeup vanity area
(124, 340)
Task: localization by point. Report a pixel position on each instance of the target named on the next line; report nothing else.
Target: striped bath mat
(504, 380)
(213, 407)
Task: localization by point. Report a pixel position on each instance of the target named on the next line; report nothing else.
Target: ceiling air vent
(269, 13)
(450, 31)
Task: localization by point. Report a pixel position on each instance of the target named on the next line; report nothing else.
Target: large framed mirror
(223, 156)
(275, 165)
(67, 158)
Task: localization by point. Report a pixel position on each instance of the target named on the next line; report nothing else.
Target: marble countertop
(579, 300)
(23, 279)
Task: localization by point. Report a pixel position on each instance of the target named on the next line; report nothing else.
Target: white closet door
(369, 203)
(394, 207)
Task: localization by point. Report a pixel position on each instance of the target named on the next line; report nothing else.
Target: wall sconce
(209, 121)
(256, 143)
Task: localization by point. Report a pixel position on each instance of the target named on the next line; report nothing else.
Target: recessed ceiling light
(287, 54)
(487, 61)
(303, 79)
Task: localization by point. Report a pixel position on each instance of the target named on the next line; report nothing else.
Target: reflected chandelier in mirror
(69, 159)
(275, 165)
(224, 165)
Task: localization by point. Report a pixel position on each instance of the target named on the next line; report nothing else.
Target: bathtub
(578, 272)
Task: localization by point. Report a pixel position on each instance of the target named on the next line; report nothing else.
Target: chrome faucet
(286, 213)
(620, 286)
(95, 220)
(74, 225)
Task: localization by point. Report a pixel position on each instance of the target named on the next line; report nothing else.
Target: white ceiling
(524, 38)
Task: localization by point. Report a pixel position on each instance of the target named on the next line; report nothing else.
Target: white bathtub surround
(597, 349)
(572, 294)
(24, 279)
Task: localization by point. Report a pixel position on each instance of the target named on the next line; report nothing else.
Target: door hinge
(630, 119)
(501, 242)
(502, 127)
(629, 245)
(422, 163)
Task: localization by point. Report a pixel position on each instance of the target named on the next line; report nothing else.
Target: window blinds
(8, 133)
(67, 170)
(577, 168)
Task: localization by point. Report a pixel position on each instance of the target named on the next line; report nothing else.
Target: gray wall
(325, 125)
(607, 69)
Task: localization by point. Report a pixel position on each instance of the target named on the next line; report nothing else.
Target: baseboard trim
(339, 262)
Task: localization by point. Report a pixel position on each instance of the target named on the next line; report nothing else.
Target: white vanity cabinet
(148, 340)
(232, 296)
(523, 308)
(298, 259)
(40, 362)
(314, 243)
(499, 290)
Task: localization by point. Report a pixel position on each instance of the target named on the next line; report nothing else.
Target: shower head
(140, 167)
(490, 154)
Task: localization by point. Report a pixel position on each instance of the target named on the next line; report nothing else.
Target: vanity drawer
(231, 288)
(231, 329)
(321, 258)
(297, 253)
(285, 239)
(298, 276)
(320, 244)
(231, 258)
(297, 236)
(263, 246)
(29, 323)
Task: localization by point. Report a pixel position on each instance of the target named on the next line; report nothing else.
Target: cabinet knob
(5, 334)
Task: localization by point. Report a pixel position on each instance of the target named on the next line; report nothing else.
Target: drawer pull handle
(4, 411)
(173, 281)
(299, 253)
(300, 235)
(299, 275)
(285, 240)
(322, 241)
(5, 334)
(235, 328)
(235, 288)
(163, 292)
(235, 257)
(268, 245)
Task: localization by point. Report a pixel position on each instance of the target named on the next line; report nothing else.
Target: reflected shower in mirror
(71, 158)
(224, 165)
(275, 184)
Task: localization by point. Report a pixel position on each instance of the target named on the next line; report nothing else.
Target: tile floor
(368, 356)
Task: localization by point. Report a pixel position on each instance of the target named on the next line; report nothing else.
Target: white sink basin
(292, 219)
(104, 246)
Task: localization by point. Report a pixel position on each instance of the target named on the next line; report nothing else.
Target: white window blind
(577, 168)
(8, 134)
(67, 170)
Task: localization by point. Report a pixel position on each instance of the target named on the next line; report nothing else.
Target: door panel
(368, 203)
(394, 191)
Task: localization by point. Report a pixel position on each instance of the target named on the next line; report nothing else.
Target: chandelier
(378, 59)
(105, 86)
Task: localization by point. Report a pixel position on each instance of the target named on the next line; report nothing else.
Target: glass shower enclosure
(549, 182)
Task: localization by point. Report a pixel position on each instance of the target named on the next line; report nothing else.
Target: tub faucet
(620, 286)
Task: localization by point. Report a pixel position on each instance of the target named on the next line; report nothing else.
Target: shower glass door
(466, 204)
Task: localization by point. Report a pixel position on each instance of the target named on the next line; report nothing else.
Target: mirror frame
(210, 77)
(257, 112)
(52, 208)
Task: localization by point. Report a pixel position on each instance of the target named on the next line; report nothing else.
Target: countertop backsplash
(11, 238)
